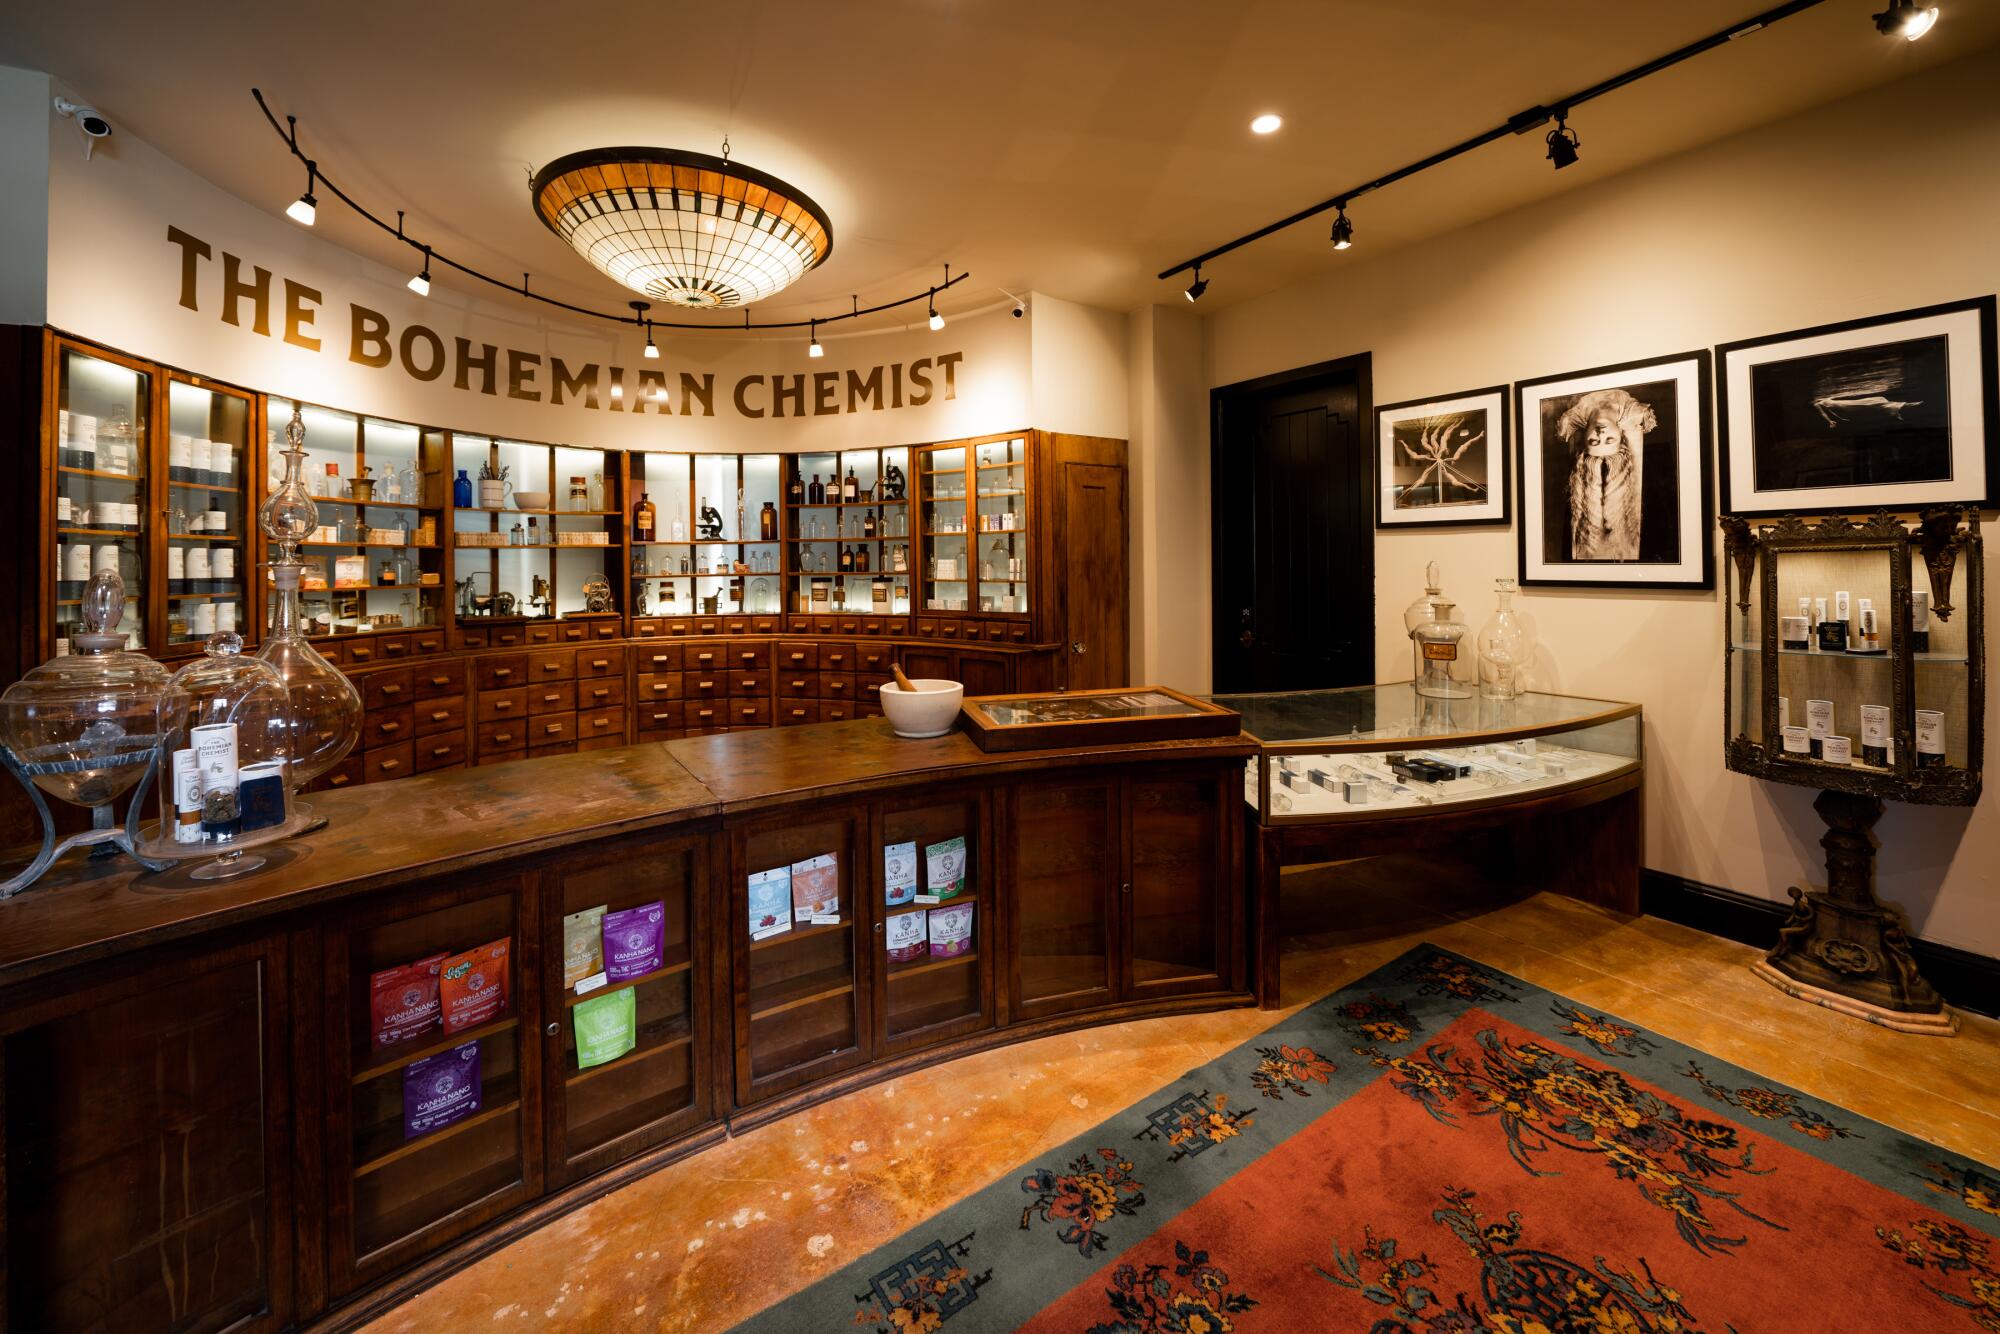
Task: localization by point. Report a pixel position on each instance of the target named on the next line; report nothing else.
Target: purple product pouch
(440, 1089)
(634, 941)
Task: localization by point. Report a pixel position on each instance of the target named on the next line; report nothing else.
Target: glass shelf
(104, 444)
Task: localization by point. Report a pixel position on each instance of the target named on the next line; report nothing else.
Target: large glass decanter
(325, 707)
(1437, 642)
(1420, 613)
(1506, 646)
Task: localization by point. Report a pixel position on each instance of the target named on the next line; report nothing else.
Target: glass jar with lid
(1437, 642)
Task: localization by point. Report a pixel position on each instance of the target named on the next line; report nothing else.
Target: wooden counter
(217, 1037)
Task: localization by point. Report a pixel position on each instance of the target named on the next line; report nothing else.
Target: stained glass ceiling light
(686, 229)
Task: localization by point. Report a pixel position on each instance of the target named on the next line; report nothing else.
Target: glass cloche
(225, 730)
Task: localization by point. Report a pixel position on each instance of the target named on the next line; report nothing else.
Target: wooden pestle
(902, 681)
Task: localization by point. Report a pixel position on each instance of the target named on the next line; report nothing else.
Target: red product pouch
(403, 1001)
(474, 985)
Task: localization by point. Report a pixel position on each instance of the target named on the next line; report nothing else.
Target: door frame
(1225, 406)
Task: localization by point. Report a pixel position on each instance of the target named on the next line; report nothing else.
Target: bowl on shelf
(931, 709)
(531, 500)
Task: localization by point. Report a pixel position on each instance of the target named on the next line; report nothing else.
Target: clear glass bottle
(1419, 613)
(325, 708)
(1437, 642)
(1506, 646)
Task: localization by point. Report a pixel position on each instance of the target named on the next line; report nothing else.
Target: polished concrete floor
(714, 1238)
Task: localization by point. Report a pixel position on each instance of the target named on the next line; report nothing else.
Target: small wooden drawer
(1017, 633)
(475, 639)
(439, 715)
(996, 632)
(708, 625)
(599, 742)
(497, 756)
(600, 662)
(873, 659)
(510, 636)
(836, 685)
(440, 752)
(497, 706)
(555, 665)
(554, 748)
(872, 626)
(703, 658)
(695, 685)
(802, 685)
(602, 630)
(543, 634)
(704, 714)
(387, 727)
(749, 713)
(947, 629)
(511, 734)
(433, 679)
(551, 697)
(836, 658)
(502, 672)
(398, 761)
(663, 717)
(763, 625)
(431, 641)
(592, 724)
(748, 685)
(927, 627)
(345, 774)
(836, 710)
(850, 625)
(867, 683)
(797, 655)
(678, 628)
(385, 690)
(653, 687)
(750, 657)
(867, 709)
(736, 625)
(551, 729)
(600, 692)
(572, 634)
(658, 658)
(360, 653)
(650, 627)
(389, 648)
(792, 712)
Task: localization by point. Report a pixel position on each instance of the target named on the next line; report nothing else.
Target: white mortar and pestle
(924, 707)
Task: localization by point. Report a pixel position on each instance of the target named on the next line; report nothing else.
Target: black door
(1294, 530)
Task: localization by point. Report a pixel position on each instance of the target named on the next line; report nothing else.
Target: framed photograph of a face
(1614, 467)
(1442, 460)
(1893, 412)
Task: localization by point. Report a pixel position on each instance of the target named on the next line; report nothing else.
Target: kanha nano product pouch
(634, 941)
(440, 1089)
(473, 986)
(403, 1001)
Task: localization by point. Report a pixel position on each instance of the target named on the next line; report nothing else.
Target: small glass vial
(1437, 642)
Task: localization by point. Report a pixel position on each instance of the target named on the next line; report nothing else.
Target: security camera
(1020, 309)
(89, 120)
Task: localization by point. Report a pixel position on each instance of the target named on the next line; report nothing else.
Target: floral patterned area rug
(1443, 1147)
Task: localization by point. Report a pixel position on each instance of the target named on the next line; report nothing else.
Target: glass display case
(533, 528)
(1855, 654)
(375, 563)
(707, 538)
(1368, 752)
(208, 513)
(975, 526)
(848, 516)
(103, 520)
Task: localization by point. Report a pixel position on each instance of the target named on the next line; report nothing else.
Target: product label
(635, 941)
(816, 887)
(215, 751)
(473, 985)
(770, 902)
(1930, 732)
(583, 944)
(945, 867)
(951, 930)
(1819, 718)
(1874, 724)
(1842, 608)
(1797, 742)
(1836, 750)
(403, 1001)
(1794, 631)
(1440, 653)
(440, 1090)
(903, 936)
(606, 1028)
(899, 873)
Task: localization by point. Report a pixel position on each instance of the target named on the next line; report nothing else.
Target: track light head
(639, 309)
(305, 208)
(1198, 286)
(937, 320)
(813, 349)
(1906, 19)
(421, 284)
(1563, 143)
(1343, 230)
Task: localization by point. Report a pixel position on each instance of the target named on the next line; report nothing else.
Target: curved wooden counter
(217, 1037)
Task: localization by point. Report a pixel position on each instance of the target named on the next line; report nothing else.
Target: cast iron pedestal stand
(1840, 947)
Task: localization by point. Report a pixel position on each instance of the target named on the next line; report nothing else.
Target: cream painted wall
(1882, 202)
(1076, 363)
(1167, 498)
(24, 193)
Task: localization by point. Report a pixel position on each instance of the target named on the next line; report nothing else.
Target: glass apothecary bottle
(1437, 643)
(1419, 613)
(1506, 646)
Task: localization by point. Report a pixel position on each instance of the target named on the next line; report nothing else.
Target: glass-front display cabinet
(1374, 751)
(533, 527)
(1855, 654)
(849, 544)
(103, 516)
(375, 564)
(707, 537)
(974, 514)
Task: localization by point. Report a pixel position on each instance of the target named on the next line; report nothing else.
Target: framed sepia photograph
(1442, 460)
(1892, 412)
(1614, 468)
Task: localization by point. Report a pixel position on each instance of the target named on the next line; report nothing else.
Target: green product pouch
(606, 1028)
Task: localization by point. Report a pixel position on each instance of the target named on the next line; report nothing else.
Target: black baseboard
(1967, 980)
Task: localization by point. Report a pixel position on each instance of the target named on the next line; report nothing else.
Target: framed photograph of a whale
(1894, 412)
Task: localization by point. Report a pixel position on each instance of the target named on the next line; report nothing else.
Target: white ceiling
(1074, 148)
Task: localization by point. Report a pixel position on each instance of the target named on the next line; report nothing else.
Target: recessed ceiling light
(1266, 124)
